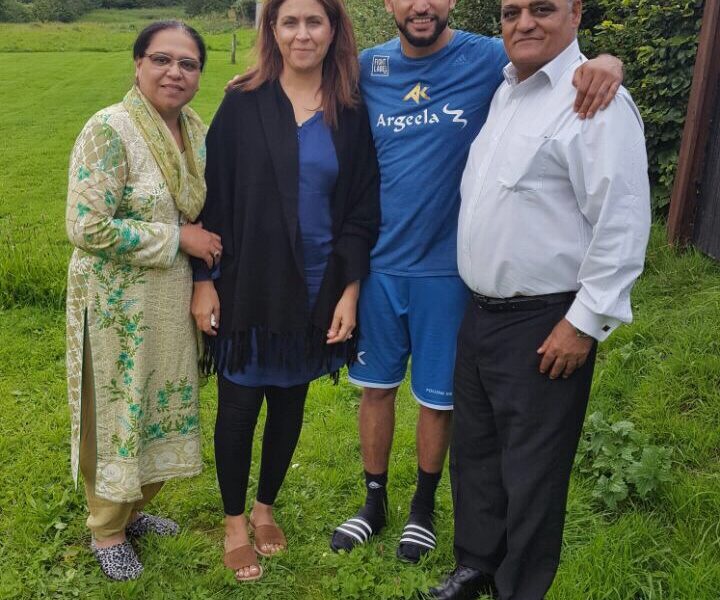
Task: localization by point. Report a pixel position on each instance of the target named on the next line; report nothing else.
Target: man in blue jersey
(428, 93)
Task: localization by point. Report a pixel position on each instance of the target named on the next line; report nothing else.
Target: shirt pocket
(525, 163)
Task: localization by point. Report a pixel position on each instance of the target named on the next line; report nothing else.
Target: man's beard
(423, 42)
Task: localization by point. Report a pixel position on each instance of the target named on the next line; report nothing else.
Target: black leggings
(238, 410)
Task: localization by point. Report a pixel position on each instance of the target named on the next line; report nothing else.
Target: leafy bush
(245, 11)
(620, 461)
(480, 16)
(136, 3)
(12, 11)
(61, 10)
(655, 39)
(200, 7)
(371, 22)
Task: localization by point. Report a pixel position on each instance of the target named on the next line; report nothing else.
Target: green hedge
(199, 7)
(656, 40)
(371, 22)
(61, 10)
(137, 3)
(12, 11)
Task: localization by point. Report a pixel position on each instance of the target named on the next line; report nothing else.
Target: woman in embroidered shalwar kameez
(136, 183)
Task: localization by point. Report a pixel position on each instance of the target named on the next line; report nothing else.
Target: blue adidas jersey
(424, 114)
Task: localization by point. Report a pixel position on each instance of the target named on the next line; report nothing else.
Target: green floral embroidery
(154, 431)
(83, 173)
(129, 236)
(82, 209)
(189, 424)
(171, 389)
(114, 154)
(117, 313)
(109, 199)
(163, 400)
(186, 394)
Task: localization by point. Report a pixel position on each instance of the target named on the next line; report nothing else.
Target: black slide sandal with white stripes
(351, 533)
(416, 541)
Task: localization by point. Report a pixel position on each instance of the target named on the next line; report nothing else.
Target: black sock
(422, 506)
(374, 512)
(375, 509)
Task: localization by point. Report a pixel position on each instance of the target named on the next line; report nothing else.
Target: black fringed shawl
(252, 203)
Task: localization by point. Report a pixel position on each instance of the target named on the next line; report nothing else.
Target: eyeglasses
(163, 61)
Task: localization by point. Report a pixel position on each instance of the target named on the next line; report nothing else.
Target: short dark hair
(146, 35)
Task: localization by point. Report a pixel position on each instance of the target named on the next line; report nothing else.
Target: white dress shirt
(552, 203)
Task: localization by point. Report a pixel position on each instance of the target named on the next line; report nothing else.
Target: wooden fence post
(233, 48)
(693, 147)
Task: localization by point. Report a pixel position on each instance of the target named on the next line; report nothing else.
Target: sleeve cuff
(598, 326)
(173, 246)
(202, 273)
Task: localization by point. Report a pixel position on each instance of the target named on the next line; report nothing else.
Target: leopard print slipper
(118, 562)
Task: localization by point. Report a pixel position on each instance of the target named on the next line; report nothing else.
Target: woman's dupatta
(185, 179)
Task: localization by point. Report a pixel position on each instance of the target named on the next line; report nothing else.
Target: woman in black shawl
(293, 183)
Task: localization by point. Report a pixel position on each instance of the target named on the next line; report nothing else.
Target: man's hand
(597, 81)
(563, 350)
(343, 322)
(205, 307)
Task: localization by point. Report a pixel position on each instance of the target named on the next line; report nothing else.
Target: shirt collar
(552, 71)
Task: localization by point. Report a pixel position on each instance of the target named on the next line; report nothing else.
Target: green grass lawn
(662, 373)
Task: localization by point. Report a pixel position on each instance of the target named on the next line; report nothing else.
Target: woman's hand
(343, 322)
(205, 307)
(200, 243)
(232, 83)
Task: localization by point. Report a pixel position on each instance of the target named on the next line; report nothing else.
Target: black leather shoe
(464, 583)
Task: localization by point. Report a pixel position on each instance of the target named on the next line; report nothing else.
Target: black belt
(521, 302)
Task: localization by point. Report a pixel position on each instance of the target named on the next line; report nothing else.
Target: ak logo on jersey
(418, 93)
(427, 117)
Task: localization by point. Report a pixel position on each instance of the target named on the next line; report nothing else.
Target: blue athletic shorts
(400, 316)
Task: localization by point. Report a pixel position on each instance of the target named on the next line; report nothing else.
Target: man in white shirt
(554, 223)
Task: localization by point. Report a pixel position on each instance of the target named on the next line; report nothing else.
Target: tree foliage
(20, 11)
(655, 39)
(12, 11)
(136, 3)
(199, 7)
(372, 24)
(61, 10)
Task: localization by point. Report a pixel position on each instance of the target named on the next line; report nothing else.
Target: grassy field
(662, 373)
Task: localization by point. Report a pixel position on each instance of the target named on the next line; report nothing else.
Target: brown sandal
(243, 557)
(268, 535)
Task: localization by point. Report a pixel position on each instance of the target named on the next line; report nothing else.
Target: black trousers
(515, 434)
(238, 410)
